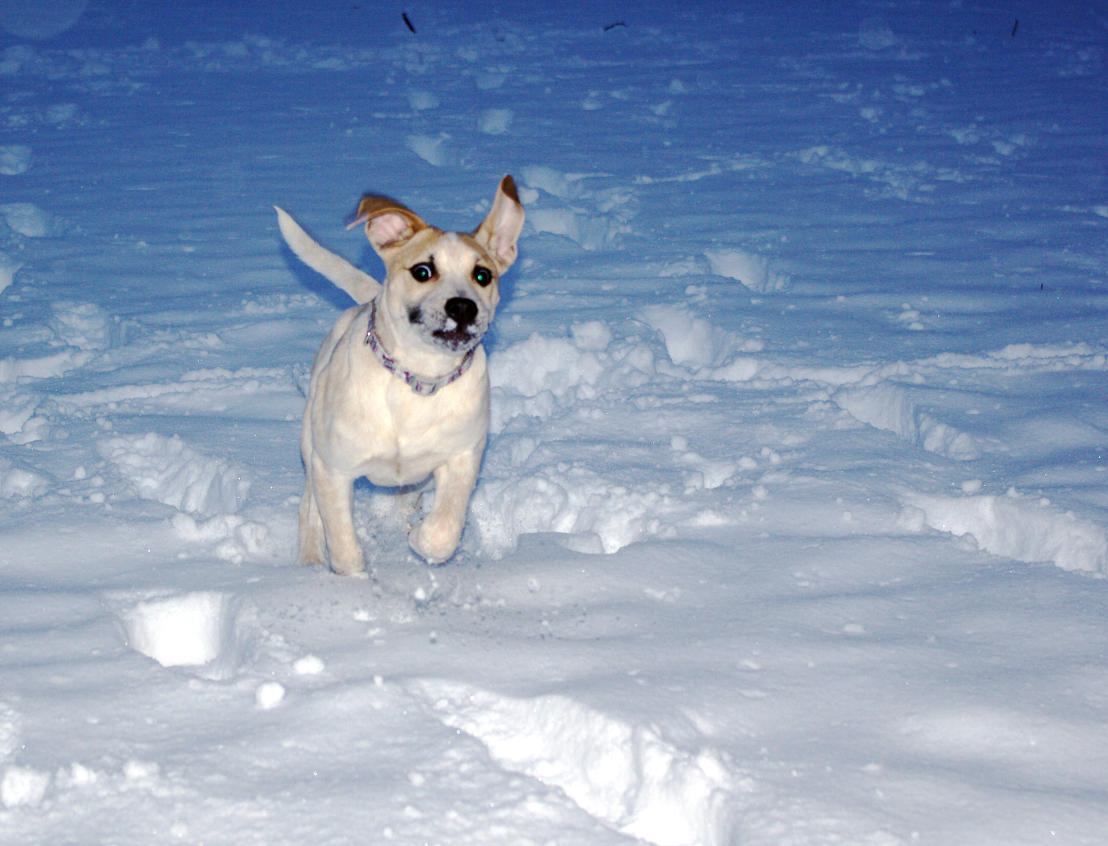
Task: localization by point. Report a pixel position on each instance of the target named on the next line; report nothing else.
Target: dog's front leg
(437, 536)
(334, 497)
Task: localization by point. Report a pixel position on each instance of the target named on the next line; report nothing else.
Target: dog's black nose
(461, 310)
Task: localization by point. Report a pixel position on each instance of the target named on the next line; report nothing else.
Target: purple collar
(423, 387)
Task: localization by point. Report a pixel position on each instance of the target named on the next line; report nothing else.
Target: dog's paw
(435, 547)
(313, 551)
(354, 567)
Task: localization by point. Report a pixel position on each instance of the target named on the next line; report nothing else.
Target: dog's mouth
(456, 339)
(454, 335)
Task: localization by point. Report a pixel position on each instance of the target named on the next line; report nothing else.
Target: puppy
(399, 389)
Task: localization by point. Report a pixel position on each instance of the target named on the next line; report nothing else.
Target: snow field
(791, 523)
(646, 784)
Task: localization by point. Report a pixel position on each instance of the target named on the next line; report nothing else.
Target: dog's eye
(482, 276)
(422, 272)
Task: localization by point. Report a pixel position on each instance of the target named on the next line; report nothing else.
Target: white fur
(362, 420)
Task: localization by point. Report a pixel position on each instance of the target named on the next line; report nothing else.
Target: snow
(627, 777)
(792, 527)
(179, 631)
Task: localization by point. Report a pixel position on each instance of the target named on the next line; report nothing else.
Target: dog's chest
(392, 436)
(406, 449)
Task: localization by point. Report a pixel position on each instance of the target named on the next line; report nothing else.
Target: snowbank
(627, 776)
(1020, 527)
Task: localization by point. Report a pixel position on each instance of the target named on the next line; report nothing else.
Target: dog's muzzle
(458, 333)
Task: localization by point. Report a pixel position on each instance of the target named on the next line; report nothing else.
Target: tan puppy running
(399, 389)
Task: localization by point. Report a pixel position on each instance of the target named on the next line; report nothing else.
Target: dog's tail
(358, 284)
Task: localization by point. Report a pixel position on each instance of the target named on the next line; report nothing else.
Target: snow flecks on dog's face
(443, 285)
(447, 285)
(379, 412)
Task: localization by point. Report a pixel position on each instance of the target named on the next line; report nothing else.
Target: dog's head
(441, 287)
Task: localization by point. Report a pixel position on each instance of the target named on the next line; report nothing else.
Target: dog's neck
(421, 384)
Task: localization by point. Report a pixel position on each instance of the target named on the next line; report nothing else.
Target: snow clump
(169, 471)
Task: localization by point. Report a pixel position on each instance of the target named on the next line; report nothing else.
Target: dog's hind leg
(333, 497)
(312, 541)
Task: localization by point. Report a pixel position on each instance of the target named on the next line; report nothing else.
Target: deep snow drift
(793, 522)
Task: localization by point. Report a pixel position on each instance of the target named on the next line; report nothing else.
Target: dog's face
(441, 288)
(445, 286)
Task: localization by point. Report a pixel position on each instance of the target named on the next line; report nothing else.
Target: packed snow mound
(752, 270)
(169, 471)
(1019, 527)
(599, 515)
(8, 268)
(179, 631)
(23, 786)
(9, 731)
(82, 325)
(544, 364)
(553, 182)
(434, 151)
(535, 377)
(590, 231)
(14, 159)
(495, 121)
(20, 481)
(198, 629)
(32, 222)
(236, 539)
(41, 367)
(540, 380)
(19, 786)
(693, 341)
(563, 204)
(42, 19)
(627, 776)
(890, 406)
(16, 408)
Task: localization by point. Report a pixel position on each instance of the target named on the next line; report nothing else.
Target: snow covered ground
(793, 524)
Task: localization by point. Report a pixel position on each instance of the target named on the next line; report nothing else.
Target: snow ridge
(1022, 528)
(171, 472)
(627, 776)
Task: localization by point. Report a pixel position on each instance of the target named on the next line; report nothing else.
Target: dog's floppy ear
(499, 231)
(387, 222)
